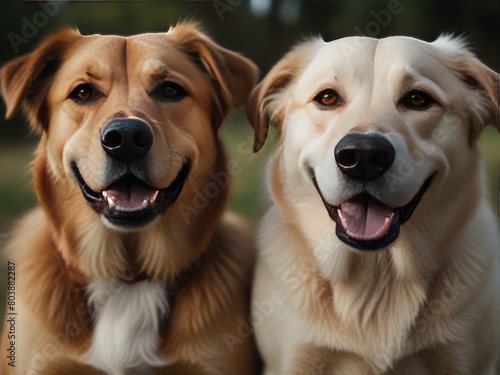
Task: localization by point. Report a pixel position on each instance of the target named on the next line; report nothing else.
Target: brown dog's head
(129, 135)
(372, 132)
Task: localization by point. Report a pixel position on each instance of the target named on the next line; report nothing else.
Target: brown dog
(117, 270)
(380, 254)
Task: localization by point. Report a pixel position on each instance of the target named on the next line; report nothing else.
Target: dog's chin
(129, 203)
(364, 223)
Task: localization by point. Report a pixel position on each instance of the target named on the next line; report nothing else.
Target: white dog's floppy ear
(482, 82)
(235, 76)
(266, 105)
(25, 80)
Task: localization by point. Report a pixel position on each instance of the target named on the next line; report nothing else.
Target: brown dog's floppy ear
(266, 105)
(482, 81)
(234, 74)
(26, 79)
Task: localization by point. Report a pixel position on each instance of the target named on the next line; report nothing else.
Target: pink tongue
(366, 219)
(130, 195)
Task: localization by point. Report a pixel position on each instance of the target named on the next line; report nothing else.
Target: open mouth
(129, 201)
(365, 223)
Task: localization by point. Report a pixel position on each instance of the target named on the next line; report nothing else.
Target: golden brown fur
(203, 257)
(427, 303)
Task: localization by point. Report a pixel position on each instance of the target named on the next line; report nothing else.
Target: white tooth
(132, 209)
(153, 198)
(111, 203)
(126, 209)
(105, 194)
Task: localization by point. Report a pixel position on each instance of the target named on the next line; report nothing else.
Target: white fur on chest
(127, 324)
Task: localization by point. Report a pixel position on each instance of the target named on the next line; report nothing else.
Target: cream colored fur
(429, 303)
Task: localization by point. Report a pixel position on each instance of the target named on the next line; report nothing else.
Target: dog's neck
(130, 277)
(75, 274)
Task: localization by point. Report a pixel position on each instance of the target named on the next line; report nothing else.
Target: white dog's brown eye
(417, 100)
(83, 93)
(169, 91)
(328, 98)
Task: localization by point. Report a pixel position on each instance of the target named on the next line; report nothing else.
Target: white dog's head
(375, 134)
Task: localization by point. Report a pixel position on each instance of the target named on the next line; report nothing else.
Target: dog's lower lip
(399, 216)
(118, 206)
(90, 195)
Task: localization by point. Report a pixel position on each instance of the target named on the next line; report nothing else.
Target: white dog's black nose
(364, 156)
(126, 140)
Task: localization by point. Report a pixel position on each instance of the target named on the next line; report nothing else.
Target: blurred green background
(261, 29)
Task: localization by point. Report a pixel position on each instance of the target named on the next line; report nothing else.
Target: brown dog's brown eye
(83, 93)
(417, 100)
(328, 98)
(169, 91)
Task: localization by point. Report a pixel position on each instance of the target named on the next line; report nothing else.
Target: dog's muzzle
(129, 201)
(362, 221)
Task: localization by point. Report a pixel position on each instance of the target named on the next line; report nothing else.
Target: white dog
(380, 253)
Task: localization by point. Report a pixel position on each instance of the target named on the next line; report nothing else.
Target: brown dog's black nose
(126, 139)
(364, 156)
